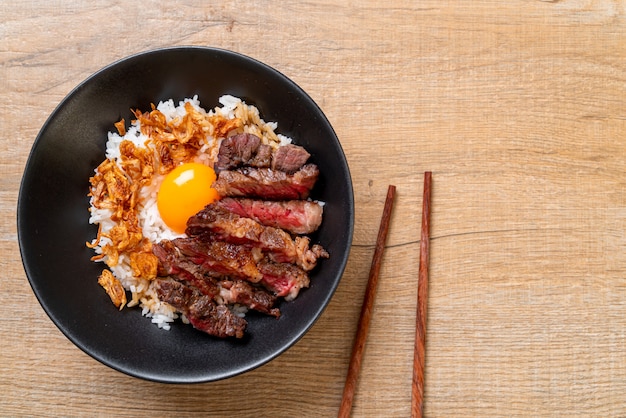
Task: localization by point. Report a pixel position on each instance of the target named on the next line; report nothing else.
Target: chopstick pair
(417, 392)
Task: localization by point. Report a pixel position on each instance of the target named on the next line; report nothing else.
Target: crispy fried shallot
(144, 265)
(113, 287)
(179, 140)
(121, 127)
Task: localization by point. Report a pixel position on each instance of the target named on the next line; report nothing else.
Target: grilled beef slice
(265, 183)
(295, 216)
(220, 258)
(215, 222)
(209, 281)
(173, 263)
(246, 149)
(202, 312)
(279, 278)
(242, 150)
(289, 158)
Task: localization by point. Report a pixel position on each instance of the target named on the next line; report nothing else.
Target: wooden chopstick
(417, 392)
(366, 310)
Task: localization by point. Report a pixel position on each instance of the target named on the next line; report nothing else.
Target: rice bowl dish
(53, 222)
(136, 213)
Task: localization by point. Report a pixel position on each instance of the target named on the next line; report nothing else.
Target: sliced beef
(279, 278)
(173, 263)
(249, 248)
(220, 258)
(295, 216)
(214, 222)
(289, 158)
(246, 149)
(266, 183)
(237, 291)
(243, 150)
(207, 275)
(202, 312)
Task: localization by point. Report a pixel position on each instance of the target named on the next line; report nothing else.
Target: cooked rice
(153, 227)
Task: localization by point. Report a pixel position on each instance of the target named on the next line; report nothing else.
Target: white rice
(153, 227)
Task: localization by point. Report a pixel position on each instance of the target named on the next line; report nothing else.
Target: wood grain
(518, 107)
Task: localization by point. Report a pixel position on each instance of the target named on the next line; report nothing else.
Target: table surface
(516, 108)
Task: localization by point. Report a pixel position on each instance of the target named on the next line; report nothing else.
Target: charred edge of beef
(216, 222)
(295, 216)
(201, 311)
(266, 183)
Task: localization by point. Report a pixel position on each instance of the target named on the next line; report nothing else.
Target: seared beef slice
(295, 216)
(266, 183)
(201, 311)
(217, 223)
(289, 158)
(242, 150)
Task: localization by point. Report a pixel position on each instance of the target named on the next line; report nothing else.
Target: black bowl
(52, 213)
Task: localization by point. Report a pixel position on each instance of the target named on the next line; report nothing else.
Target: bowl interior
(53, 215)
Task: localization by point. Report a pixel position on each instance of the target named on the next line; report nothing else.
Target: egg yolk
(184, 192)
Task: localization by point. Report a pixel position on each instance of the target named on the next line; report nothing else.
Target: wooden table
(518, 110)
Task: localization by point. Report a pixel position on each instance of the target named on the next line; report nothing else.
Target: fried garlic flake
(144, 264)
(114, 288)
(121, 127)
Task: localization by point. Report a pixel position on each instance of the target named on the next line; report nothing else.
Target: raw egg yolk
(184, 192)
